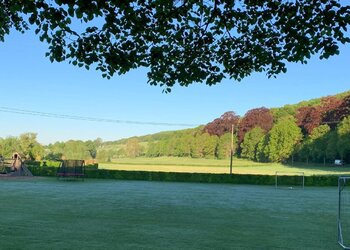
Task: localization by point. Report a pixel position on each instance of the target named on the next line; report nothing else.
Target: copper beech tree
(336, 115)
(327, 112)
(258, 117)
(182, 41)
(222, 125)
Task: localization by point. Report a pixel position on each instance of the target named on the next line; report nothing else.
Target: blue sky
(29, 81)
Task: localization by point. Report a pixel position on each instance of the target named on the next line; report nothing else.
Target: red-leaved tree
(310, 117)
(223, 124)
(261, 117)
(329, 103)
(335, 115)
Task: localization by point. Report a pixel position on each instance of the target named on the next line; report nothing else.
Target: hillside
(316, 130)
(303, 127)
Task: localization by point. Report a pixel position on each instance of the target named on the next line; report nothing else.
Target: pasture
(44, 213)
(240, 166)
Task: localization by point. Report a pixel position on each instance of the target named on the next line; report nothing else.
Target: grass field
(240, 166)
(44, 213)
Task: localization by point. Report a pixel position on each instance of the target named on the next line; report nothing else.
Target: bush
(54, 164)
(32, 163)
(92, 166)
(43, 171)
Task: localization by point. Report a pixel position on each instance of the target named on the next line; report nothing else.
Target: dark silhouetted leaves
(186, 41)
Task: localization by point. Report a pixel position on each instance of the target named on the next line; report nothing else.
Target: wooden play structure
(13, 167)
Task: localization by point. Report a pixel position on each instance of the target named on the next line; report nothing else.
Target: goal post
(344, 212)
(290, 180)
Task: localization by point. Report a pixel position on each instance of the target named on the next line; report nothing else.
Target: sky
(29, 81)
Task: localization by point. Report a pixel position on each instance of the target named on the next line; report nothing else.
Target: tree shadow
(318, 166)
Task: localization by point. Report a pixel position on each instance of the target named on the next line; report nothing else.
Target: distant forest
(317, 130)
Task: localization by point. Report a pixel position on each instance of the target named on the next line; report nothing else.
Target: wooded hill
(317, 130)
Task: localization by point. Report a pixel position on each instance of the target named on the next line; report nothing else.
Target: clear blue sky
(29, 81)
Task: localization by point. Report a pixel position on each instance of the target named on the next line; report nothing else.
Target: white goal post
(289, 180)
(344, 212)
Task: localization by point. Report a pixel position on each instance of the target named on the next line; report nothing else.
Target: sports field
(240, 166)
(44, 213)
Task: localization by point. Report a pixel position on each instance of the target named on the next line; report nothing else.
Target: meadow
(239, 166)
(45, 213)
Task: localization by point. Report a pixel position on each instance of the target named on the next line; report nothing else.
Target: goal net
(344, 212)
(290, 180)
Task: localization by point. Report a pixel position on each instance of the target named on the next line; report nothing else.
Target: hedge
(54, 164)
(324, 180)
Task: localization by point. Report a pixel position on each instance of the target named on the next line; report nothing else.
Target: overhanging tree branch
(168, 37)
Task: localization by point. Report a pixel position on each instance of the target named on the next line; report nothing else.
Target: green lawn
(240, 166)
(44, 213)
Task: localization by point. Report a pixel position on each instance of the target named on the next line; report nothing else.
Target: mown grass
(240, 166)
(45, 213)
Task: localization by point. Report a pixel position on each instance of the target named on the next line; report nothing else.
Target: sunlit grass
(239, 166)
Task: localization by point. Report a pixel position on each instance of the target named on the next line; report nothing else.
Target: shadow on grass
(318, 166)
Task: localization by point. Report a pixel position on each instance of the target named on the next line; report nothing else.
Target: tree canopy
(282, 140)
(222, 125)
(269, 135)
(251, 141)
(182, 41)
(261, 117)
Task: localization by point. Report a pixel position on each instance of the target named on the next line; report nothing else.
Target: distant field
(44, 213)
(240, 166)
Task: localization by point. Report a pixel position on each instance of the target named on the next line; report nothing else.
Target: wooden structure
(7, 168)
(71, 169)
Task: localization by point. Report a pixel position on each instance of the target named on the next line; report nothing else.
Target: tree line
(29, 148)
(317, 130)
(311, 131)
